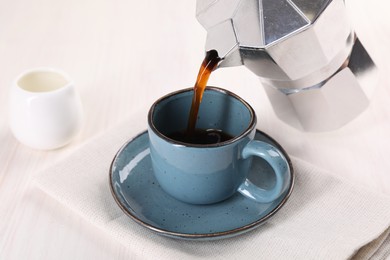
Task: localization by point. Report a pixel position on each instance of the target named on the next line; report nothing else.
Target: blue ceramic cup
(210, 173)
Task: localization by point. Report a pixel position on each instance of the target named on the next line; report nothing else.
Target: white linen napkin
(325, 217)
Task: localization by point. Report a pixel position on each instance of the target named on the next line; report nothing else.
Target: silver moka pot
(315, 70)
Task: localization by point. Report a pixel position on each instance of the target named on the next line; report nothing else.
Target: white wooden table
(125, 54)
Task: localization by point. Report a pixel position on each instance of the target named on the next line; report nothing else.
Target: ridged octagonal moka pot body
(316, 72)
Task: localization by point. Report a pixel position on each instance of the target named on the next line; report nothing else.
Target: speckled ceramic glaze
(140, 196)
(206, 174)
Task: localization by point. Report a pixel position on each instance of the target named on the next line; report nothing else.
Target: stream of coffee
(209, 63)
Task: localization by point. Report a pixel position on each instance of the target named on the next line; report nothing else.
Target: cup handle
(278, 163)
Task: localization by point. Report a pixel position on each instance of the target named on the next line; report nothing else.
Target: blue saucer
(139, 195)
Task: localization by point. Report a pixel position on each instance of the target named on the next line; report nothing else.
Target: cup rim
(249, 129)
(68, 79)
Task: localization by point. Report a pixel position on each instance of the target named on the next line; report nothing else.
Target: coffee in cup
(213, 165)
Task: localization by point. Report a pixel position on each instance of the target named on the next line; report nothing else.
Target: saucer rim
(201, 236)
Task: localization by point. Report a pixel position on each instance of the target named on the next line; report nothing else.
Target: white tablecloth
(325, 218)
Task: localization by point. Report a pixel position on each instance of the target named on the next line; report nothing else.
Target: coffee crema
(201, 136)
